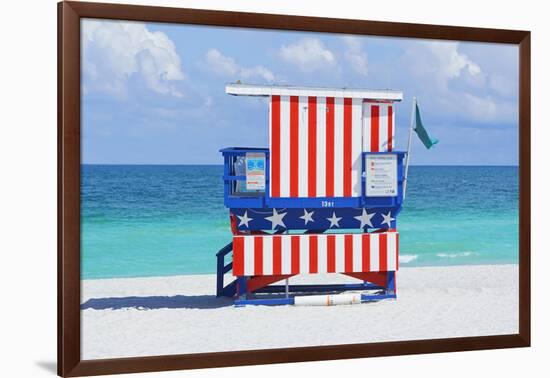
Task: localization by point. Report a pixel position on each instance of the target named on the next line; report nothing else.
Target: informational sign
(381, 175)
(255, 171)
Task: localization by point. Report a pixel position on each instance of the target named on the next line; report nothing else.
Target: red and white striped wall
(316, 143)
(257, 255)
(378, 126)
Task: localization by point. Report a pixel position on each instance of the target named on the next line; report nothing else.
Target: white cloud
(470, 97)
(115, 51)
(451, 62)
(221, 64)
(448, 63)
(308, 54)
(452, 84)
(489, 109)
(258, 71)
(227, 66)
(355, 55)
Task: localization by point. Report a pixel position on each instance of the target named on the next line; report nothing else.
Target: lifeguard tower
(323, 198)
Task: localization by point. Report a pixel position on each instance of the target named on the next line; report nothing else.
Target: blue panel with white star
(314, 219)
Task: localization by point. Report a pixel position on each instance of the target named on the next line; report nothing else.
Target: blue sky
(154, 93)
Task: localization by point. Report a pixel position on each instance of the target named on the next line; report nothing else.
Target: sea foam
(454, 255)
(404, 259)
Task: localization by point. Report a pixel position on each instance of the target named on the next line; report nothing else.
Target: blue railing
(221, 270)
(234, 198)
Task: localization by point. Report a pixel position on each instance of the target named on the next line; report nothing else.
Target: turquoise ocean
(155, 220)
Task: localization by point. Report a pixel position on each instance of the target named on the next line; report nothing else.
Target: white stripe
(383, 127)
(270, 142)
(356, 147)
(366, 127)
(338, 147)
(248, 256)
(286, 254)
(392, 243)
(339, 251)
(322, 253)
(374, 250)
(304, 253)
(302, 146)
(357, 252)
(321, 146)
(285, 146)
(268, 255)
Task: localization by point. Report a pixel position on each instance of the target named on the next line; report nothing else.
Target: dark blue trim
(290, 300)
(233, 178)
(242, 150)
(376, 297)
(264, 302)
(318, 288)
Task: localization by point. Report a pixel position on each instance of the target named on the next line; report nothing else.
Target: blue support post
(391, 283)
(219, 275)
(241, 287)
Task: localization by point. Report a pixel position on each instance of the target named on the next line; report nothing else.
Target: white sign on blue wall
(381, 175)
(255, 171)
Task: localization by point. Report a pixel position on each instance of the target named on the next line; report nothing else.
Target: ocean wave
(404, 259)
(454, 255)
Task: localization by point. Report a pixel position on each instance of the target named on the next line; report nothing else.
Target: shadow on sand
(153, 303)
(49, 366)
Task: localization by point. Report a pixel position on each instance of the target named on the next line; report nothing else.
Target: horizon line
(217, 164)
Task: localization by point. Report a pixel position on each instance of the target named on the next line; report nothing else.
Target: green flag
(422, 133)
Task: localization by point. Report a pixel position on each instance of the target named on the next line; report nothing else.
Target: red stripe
(383, 252)
(275, 146)
(258, 255)
(366, 252)
(277, 260)
(295, 254)
(374, 127)
(331, 254)
(329, 149)
(347, 147)
(294, 143)
(312, 146)
(313, 258)
(396, 251)
(390, 127)
(238, 256)
(348, 256)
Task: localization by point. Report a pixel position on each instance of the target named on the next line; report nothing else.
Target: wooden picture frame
(69, 16)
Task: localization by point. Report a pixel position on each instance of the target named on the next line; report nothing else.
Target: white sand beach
(181, 314)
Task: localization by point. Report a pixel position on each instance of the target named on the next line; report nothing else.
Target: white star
(365, 218)
(244, 219)
(387, 219)
(334, 220)
(276, 219)
(307, 217)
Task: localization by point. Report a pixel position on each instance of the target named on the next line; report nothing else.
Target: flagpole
(409, 145)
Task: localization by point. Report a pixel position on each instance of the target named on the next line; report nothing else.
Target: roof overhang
(237, 89)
